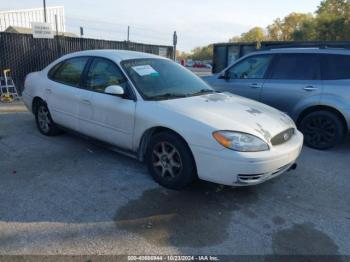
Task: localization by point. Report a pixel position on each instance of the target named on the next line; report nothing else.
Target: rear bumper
(243, 169)
(27, 100)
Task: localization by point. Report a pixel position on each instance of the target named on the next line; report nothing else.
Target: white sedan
(155, 110)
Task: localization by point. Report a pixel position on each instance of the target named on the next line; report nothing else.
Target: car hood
(225, 111)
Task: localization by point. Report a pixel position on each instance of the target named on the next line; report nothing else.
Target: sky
(197, 22)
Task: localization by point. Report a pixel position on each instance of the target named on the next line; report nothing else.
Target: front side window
(104, 73)
(336, 67)
(253, 67)
(70, 71)
(158, 79)
(296, 67)
(233, 54)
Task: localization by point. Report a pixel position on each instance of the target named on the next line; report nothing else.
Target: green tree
(306, 32)
(284, 30)
(235, 39)
(202, 53)
(182, 55)
(275, 30)
(256, 34)
(333, 20)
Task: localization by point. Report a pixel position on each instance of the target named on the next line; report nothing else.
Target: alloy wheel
(44, 119)
(320, 131)
(166, 160)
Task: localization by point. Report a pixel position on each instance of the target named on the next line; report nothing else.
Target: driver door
(109, 118)
(245, 78)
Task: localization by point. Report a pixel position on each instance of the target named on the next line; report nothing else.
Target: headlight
(240, 141)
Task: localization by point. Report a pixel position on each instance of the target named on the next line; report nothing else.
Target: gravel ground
(66, 195)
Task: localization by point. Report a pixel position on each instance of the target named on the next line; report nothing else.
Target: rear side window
(70, 71)
(296, 67)
(336, 67)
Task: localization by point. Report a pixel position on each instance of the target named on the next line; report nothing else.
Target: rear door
(336, 80)
(245, 78)
(293, 79)
(61, 93)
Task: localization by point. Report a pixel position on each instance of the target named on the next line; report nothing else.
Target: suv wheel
(44, 121)
(322, 130)
(170, 161)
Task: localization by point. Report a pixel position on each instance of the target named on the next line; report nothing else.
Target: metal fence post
(58, 46)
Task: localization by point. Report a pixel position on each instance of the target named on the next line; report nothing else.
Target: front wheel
(322, 130)
(44, 121)
(169, 161)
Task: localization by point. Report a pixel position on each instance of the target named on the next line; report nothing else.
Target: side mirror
(114, 90)
(224, 75)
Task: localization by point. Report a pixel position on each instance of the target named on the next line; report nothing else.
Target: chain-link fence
(24, 54)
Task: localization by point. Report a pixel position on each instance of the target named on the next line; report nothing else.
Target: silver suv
(312, 85)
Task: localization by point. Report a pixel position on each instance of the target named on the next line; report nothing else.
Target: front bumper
(233, 168)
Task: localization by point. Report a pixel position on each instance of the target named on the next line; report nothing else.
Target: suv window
(296, 67)
(253, 67)
(104, 73)
(70, 71)
(336, 67)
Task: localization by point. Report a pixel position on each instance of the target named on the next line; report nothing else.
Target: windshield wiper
(204, 91)
(167, 96)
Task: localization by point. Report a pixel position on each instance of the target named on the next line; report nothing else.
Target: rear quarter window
(53, 70)
(336, 67)
(69, 72)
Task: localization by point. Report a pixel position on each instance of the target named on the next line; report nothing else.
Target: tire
(170, 161)
(322, 130)
(44, 121)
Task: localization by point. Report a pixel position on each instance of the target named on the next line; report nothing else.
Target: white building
(24, 17)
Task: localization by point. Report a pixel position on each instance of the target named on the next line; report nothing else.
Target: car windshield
(159, 79)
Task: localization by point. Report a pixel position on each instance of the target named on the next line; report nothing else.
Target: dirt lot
(66, 195)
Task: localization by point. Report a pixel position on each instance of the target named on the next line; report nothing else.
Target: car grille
(283, 137)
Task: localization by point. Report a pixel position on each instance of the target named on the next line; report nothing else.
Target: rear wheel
(44, 121)
(322, 130)
(169, 160)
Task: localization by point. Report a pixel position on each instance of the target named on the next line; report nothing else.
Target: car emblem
(285, 136)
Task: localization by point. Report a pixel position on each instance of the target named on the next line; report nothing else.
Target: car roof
(116, 55)
(313, 50)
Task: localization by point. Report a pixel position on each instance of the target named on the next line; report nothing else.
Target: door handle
(310, 88)
(254, 85)
(85, 101)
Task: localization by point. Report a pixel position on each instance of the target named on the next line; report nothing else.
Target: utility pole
(128, 37)
(174, 44)
(56, 24)
(44, 2)
(81, 37)
(57, 37)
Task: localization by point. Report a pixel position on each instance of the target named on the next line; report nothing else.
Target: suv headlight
(241, 142)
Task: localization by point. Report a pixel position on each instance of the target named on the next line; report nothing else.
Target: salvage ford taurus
(155, 110)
